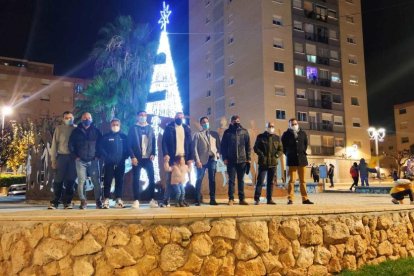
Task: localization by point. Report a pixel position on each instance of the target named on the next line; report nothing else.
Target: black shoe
(271, 202)
(331, 186)
(162, 205)
(213, 202)
(307, 202)
(185, 203)
(256, 202)
(68, 206)
(290, 202)
(99, 205)
(53, 206)
(243, 202)
(197, 203)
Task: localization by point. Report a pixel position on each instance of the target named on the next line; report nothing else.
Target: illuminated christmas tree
(164, 98)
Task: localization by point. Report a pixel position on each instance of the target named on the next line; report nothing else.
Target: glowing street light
(378, 136)
(5, 111)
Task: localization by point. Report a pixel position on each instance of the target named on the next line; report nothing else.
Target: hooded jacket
(235, 145)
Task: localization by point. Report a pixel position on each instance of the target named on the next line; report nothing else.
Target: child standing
(178, 172)
(402, 188)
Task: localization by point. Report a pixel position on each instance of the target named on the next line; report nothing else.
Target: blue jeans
(179, 191)
(238, 169)
(211, 166)
(84, 169)
(364, 179)
(269, 186)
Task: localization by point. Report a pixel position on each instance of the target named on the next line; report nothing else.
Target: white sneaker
(153, 204)
(135, 205)
(120, 204)
(105, 204)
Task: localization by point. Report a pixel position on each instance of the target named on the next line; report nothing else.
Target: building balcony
(320, 126)
(320, 82)
(322, 150)
(322, 60)
(317, 38)
(320, 104)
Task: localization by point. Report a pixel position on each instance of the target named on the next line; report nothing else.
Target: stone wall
(305, 245)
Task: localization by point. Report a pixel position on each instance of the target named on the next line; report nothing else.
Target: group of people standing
(78, 151)
(360, 170)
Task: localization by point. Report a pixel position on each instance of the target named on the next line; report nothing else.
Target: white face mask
(295, 128)
(116, 128)
(271, 130)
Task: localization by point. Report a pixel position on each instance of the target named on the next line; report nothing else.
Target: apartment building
(404, 126)
(271, 60)
(33, 91)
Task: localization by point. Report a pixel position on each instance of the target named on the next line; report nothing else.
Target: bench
(372, 189)
(311, 187)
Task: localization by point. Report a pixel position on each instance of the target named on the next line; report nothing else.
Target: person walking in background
(315, 173)
(63, 163)
(178, 171)
(331, 175)
(395, 175)
(206, 153)
(295, 143)
(363, 172)
(354, 174)
(141, 146)
(235, 151)
(83, 147)
(268, 148)
(176, 141)
(113, 150)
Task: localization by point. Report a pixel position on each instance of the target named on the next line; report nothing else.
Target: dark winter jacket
(331, 171)
(169, 142)
(269, 148)
(113, 147)
(235, 145)
(83, 142)
(295, 148)
(135, 140)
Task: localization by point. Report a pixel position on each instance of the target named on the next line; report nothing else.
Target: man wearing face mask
(295, 143)
(141, 144)
(83, 147)
(63, 163)
(206, 152)
(113, 150)
(268, 147)
(176, 141)
(235, 151)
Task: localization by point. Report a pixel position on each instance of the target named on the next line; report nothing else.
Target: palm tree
(124, 57)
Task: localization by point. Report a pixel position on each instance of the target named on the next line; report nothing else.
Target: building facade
(404, 126)
(271, 60)
(33, 91)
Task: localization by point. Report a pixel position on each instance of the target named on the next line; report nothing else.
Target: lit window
(278, 66)
(299, 70)
(302, 116)
(277, 20)
(354, 101)
(311, 73)
(351, 39)
(280, 91)
(352, 59)
(298, 25)
(353, 80)
(278, 43)
(301, 93)
(335, 77)
(311, 58)
(280, 114)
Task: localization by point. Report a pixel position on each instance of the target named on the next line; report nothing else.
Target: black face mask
(178, 121)
(236, 125)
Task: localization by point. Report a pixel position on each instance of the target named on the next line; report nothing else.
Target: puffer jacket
(268, 148)
(83, 142)
(235, 145)
(295, 148)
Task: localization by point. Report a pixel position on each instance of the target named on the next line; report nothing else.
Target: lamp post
(378, 136)
(5, 111)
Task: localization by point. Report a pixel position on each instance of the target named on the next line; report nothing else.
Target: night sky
(63, 33)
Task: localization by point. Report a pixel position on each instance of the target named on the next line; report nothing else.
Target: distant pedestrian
(295, 144)
(83, 146)
(315, 173)
(113, 149)
(63, 163)
(268, 147)
(395, 175)
(363, 172)
(331, 175)
(354, 174)
(178, 171)
(235, 150)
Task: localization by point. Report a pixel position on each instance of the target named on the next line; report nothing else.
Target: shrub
(7, 180)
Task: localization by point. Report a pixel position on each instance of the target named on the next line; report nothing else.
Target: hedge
(6, 180)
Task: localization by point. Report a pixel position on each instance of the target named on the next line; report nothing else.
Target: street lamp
(5, 111)
(378, 136)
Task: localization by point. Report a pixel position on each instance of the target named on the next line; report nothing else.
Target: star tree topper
(165, 13)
